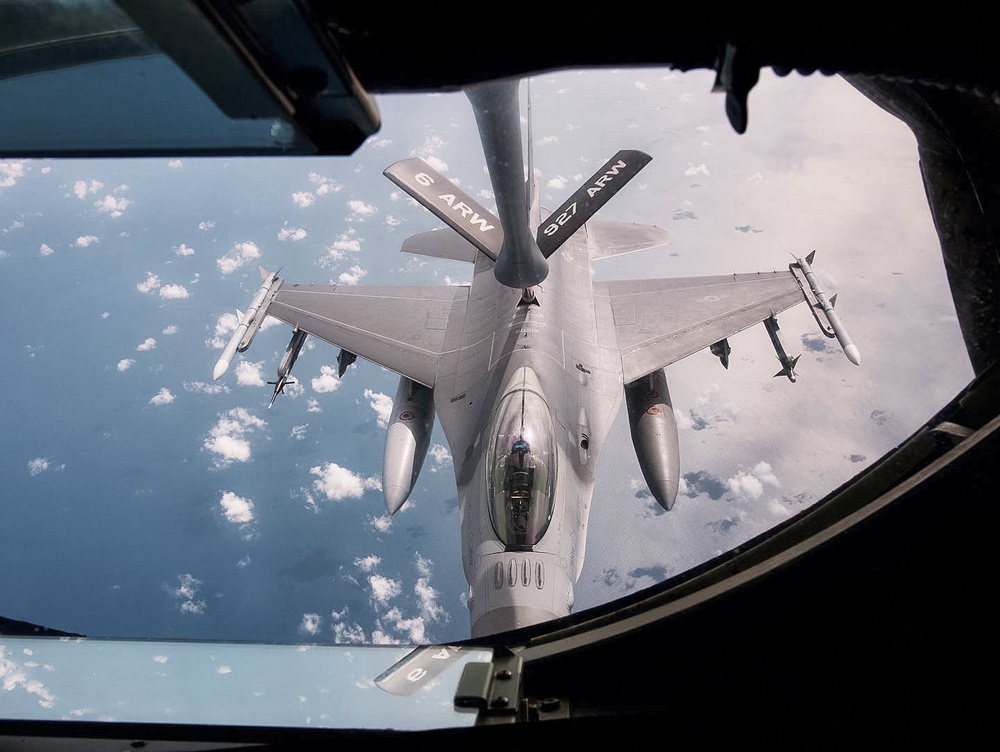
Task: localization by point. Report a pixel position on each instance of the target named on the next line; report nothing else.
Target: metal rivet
(504, 674)
(500, 702)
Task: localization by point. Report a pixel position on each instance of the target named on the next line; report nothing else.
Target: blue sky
(142, 499)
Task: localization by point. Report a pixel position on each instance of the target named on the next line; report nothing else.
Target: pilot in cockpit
(520, 476)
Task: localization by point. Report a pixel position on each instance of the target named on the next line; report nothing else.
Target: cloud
(125, 363)
(303, 199)
(380, 524)
(344, 244)
(162, 397)
(14, 675)
(228, 437)
(292, 233)
(83, 188)
(440, 456)
(750, 485)
(174, 292)
(149, 284)
(381, 404)
(45, 250)
(188, 593)
(298, 432)
(693, 169)
(437, 163)
(84, 241)
(38, 465)
(240, 254)
(384, 589)
(146, 345)
(310, 624)
(236, 508)
(184, 250)
(352, 276)
(169, 329)
(338, 483)
(557, 183)
(250, 374)
(361, 209)
(113, 206)
(175, 164)
(324, 185)
(327, 380)
(208, 224)
(427, 596)
(367, 563)
(201, 387)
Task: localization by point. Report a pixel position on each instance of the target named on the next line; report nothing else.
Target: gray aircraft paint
(577, 347)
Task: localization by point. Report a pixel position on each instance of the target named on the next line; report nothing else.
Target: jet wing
(400, 328)
(661, 321)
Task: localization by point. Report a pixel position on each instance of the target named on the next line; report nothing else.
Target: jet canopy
(522, 470)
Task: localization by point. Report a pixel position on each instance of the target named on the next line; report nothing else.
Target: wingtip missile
(248, 323)
(824, 306)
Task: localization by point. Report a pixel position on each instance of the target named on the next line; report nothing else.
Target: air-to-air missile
(249, 322)
(287, 361)
(822, 308)
(787, 364)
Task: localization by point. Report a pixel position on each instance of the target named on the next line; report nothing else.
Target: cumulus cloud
(38, 465)
(83, 188)
(324, 185)
(337, 483)
(750, 484)
(360, 209)
(113, 206)
(327, 380)
(14, 676)
(440, 456)
(84, 241)
(236, 508)
(430, 609)
(174, 292)
(208, 224)
(125, 363)
(383, 589)
(344, 244)
(228, 437)
(162, 397)
(175, 164)
(693, 169)
(201, 387)
(292, 233)
(310, 624)
(240, 254)
(169, 329)
(188, 592)
(149, 284)
(380, 524)
(557, 183)
(381, 404)
(352, 276)
(367, 563)
(146, 345)
(250, 374)
(184, 250)
(298, 432)
(303, 199)
(45, 250)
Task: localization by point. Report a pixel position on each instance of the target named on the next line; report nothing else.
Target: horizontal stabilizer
(442, 244)
(445, 200)
(609, 239)
(590, 197)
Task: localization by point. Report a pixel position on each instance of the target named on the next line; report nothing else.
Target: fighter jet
(527, 367)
